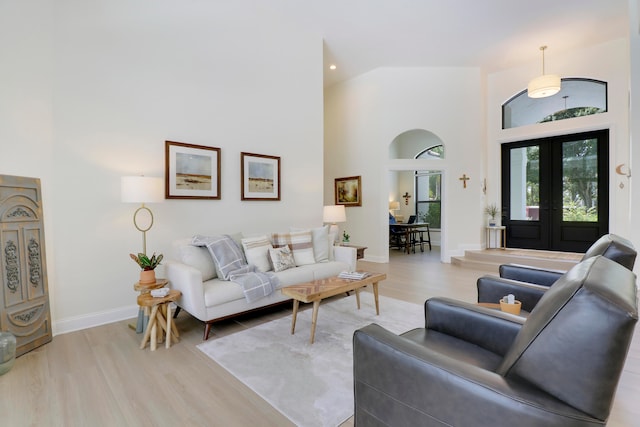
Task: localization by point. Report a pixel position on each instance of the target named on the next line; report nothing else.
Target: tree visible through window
(428, 189)
(578, 97)
(580, 180)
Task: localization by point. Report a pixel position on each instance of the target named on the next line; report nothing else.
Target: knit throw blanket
(231, 265)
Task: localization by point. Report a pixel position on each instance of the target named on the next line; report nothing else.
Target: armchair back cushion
(575, 342)
(615, 248)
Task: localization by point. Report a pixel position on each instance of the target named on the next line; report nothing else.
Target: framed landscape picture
(191, 171)
(348, 191)
(259, 177)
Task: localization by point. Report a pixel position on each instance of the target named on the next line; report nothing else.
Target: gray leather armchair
(528, 283)
(472, 366)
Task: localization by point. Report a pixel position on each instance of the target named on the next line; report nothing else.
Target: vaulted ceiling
(362, 35)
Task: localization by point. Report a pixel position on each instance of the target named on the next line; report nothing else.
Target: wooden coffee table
(318, 290)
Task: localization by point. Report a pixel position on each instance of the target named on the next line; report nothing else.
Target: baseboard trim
(77, 323)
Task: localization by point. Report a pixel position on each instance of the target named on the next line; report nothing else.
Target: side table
(145, 288)
(160, 316)
(359, 250)
(501, 236)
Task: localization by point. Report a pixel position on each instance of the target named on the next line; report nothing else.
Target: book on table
(354, 275)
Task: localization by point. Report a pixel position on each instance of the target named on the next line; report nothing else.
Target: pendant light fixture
(545, 85)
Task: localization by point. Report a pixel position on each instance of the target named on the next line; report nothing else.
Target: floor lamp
(142, 189)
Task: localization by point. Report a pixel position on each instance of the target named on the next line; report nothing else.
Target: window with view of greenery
(579, 181)
(428, 189)
(578, 97)
(428, 202)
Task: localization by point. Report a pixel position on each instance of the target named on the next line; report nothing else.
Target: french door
(555, 191)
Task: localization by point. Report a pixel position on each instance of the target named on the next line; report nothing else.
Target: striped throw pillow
(256, 250)
(300, 243)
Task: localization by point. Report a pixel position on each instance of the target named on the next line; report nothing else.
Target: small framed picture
(259, 177)
(348, 191)
(191, 171)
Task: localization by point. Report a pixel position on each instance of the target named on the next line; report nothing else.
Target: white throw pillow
(320, 240)
(300, 243)
(256, 250)
(281, 258)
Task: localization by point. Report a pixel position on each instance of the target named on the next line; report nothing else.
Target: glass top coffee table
(317, 290)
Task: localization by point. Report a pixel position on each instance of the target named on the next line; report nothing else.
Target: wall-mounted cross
(406, 197)
(464, 178)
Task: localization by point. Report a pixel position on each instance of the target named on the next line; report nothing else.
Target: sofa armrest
(490, 329)
(492, 289)
(400, 382)
(347, 255)
(529, 274)
(187, 280)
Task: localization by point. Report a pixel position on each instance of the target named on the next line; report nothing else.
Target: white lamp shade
(543, 86)
(334, 213)
(394, 206)
(141, 189)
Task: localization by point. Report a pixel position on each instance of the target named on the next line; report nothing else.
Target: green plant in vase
(345, 237)
(493, 211)
(148, 265)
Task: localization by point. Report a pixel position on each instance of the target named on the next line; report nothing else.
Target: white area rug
(311, 384)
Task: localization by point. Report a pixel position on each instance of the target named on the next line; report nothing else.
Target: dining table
(411, 232)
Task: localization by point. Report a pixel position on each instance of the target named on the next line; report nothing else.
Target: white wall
(365, 114)
(96, 87)
(608, 62)
(26, 105)
(634, 122)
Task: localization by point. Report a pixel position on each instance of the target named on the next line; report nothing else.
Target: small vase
(7, 351)
(147, 276)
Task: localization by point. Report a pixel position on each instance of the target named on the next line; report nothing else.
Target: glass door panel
(525, 183)
(580, 181)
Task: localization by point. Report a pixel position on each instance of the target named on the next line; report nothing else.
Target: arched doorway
(416, 165)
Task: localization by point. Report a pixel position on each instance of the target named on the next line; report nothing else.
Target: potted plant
(148, 265)
(345, 237)
(493, 211)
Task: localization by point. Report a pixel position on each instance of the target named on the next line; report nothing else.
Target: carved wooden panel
(24, 298)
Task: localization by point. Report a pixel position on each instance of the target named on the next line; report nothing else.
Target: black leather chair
(473, 366)
(528, 283)
(396, 235)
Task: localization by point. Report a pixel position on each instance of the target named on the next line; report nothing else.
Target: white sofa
(192, 271)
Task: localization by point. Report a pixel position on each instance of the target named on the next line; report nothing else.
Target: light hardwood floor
(99, 376)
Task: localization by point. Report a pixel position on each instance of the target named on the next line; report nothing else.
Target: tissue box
(160, 293)
(511, 308)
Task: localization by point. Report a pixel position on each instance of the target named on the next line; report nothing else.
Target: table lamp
(393, 207)
(142, 189)
(334, 214)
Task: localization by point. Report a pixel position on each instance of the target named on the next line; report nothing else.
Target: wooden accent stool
(145, 288)
(159, 312)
